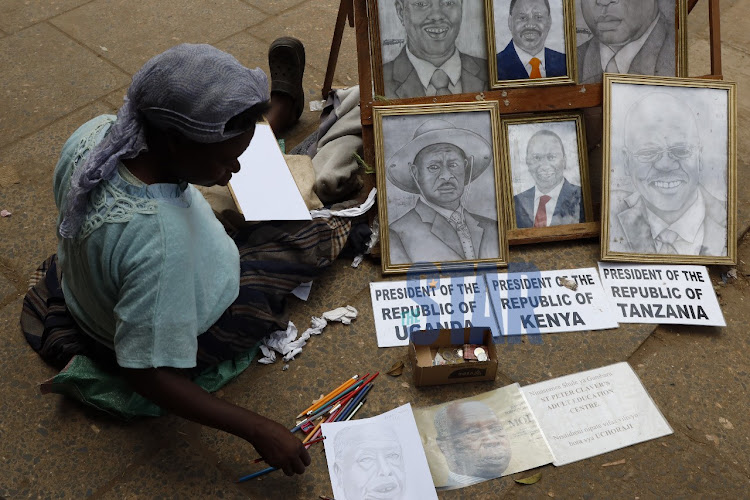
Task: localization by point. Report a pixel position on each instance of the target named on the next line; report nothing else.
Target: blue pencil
(353, 403)
(256, 474)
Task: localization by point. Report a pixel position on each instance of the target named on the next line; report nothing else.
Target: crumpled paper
(325, 213)
(286, 342)
(343, 314)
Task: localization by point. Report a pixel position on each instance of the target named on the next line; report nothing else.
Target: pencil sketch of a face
(369, 463)
(430, 62)
(529, 36)
(669, 212)
(547, 181)
(472, 440)
(437, 167)
(626, 36)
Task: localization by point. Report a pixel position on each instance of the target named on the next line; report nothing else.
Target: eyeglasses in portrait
(670, 165)
(437, 182)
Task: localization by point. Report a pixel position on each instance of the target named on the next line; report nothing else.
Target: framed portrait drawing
(670, 170)
(428, 47)
(531, 42)
(642, 37)
(437, 177)
(545, 165)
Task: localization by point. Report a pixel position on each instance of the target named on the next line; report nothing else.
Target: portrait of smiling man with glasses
(553, 200)
(669, 212)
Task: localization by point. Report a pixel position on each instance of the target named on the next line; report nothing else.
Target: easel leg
(346, 11)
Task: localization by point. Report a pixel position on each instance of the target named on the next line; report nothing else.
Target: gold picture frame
(566, 178)
(393, 74)
(589, 56)
(661, 171)
(511, 69)
(419, 194)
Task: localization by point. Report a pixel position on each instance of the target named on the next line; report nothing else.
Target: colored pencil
(356, 409)
(354, 402)
(307, 445)
(256, 474)
(327, 397)
(326, 408)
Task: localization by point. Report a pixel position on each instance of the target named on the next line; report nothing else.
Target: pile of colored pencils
(338, 405)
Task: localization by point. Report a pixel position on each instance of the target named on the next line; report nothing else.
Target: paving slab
(699, 377)
(28, 236)
(7, 289)
(48, 76)
(18, 14)
(50, 445)
(99, 25)
(274, 7)
(313, 23)
(183, 468)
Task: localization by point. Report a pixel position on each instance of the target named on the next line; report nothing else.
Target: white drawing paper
(264, 187)
(378, 458)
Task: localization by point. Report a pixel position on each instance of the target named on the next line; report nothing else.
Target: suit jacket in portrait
(656, 57)
(423, 235)
(630, 231)
(400, 79)
(568, 210)
(510, 67)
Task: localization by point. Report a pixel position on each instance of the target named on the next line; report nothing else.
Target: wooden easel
(520, 100)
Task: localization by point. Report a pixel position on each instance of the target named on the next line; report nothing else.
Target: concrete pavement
(65, 61)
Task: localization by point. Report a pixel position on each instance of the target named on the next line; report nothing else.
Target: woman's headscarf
(191, 89)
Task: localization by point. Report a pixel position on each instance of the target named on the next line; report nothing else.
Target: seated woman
(155, 286)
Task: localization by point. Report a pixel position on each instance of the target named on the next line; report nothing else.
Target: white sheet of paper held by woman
(474, 439)
(378, 458)
(264, 179)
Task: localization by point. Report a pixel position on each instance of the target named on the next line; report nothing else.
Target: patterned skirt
(275, 258)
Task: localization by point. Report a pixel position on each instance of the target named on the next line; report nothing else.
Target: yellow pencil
(329, 396)
(313, 432)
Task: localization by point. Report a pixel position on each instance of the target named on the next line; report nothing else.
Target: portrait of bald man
(473, 441)
(369, 463)
(669, 210)
(528, 55)
(627, 36)
(430, 62)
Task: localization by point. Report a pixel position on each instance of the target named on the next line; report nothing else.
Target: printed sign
(663, 294)
(403, 307)
(549, 301)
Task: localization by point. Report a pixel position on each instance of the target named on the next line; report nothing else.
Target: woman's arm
(178, 394)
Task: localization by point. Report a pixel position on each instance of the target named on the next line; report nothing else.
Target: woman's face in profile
(209, 164)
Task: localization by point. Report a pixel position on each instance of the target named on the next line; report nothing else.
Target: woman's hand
(279, 447)
(180, 395)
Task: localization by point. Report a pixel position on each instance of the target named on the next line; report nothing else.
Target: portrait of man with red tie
(529, 53)
(553, 200)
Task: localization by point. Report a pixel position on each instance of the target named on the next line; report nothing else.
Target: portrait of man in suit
(553, 200)
(670, 211)
(473, 442)
(438, 165)
(526, 56)
(627, 36)
(430, 63)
